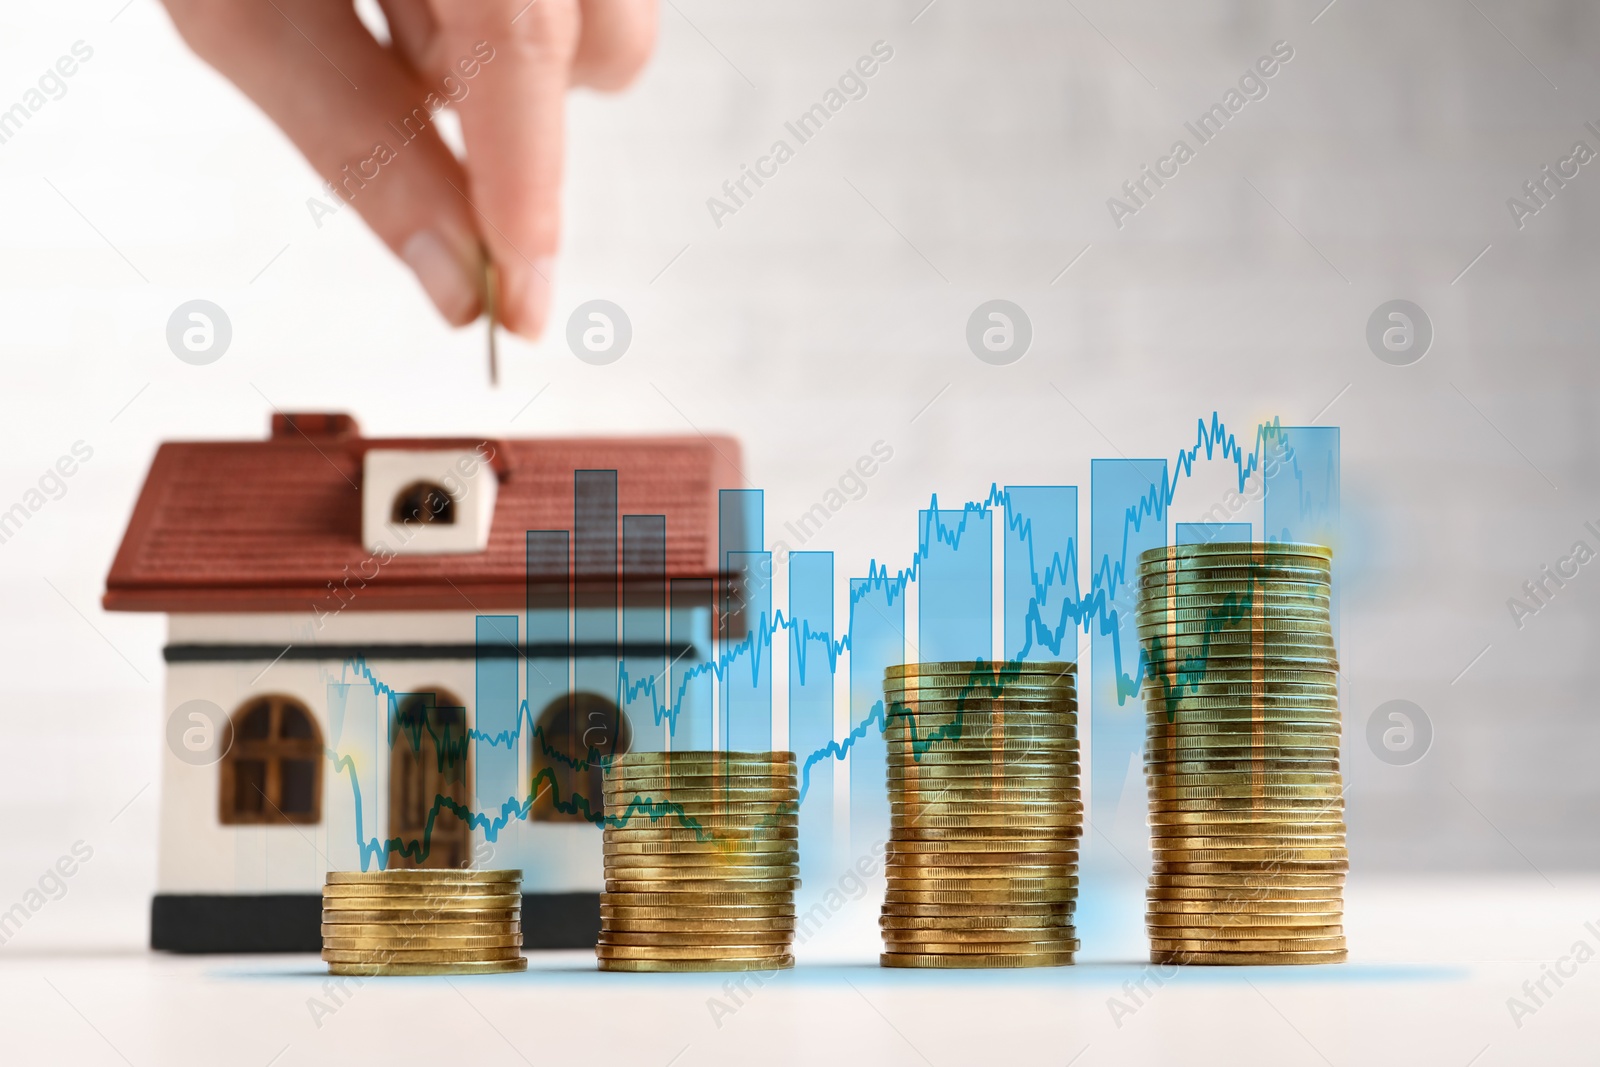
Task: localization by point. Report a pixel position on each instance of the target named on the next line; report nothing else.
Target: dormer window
(426, 503)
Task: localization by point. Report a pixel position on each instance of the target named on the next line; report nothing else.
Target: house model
(368, 635)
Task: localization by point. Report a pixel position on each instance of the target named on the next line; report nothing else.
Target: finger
(512, 121)
(358, 116)
(412, 34)
(615, 43)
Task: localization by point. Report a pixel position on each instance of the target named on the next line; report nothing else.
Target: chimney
(318, 425)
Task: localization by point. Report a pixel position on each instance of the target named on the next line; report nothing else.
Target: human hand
(362, 114)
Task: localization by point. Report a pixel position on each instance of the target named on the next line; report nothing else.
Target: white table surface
(1432, 965)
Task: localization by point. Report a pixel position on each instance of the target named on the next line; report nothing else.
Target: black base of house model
(292, 922)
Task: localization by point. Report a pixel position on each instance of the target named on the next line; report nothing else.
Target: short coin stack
(701, 862)
(1242, 755)
(985, 815)
(399, 922)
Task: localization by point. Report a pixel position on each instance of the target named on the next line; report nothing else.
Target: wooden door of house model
(427, 767)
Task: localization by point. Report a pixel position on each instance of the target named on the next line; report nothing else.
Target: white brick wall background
(825, 314)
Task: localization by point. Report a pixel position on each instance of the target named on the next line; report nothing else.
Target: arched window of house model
(426, 503)
(572, 730)
(272, 773)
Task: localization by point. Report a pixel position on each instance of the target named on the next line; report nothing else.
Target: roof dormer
(428, 501)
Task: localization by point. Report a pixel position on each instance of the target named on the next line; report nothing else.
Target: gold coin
(984, 840)
(903, 852)
(1044, 883)
(1244, 912)
(976, 962)
(924, 938)
(1248, 959)
(731, 928)
(416, 916)
(382, 930)
(1008, 897)
(768, 941)
(991, 921)
(1247, 553)
(959, 686)
(1242, 821)
(375, 970)
(923, 873)
(712, 913)
(418, 943)
(768, 963)
(1241, 746)
(421, 906)
(715, 835)
(434, 955)
(426, 876)
(1251, 867)
(688, 952)
(717, 771)
(1020, 772)
(763, 864)
(713, 796)
(620, 845)
(1272, 854)
(949, 947)
(1269, 878)
(1228, 610)
(706, 810)
(1059, 908)
(1298, 944)
(1066, 822)
(1237, 931)
(695, 756)
(1268, 698)
(436, 891)
(1002, 667)
(1170, 842)
(705, 886)
(682, 900)
(933, 779)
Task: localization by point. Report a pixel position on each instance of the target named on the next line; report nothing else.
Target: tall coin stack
(1242, 755)
(422, 922)
(701, 862)
(985, 815)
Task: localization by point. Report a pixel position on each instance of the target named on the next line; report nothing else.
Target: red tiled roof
(234, 526)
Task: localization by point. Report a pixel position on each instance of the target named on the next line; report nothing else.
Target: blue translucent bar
(747, 682)
(1127, 516)
(740, 520)
(1300, 472)
(594, 551)
(691, 664)
(644, 629)
(955, 606)
(877, 641)
(549, 617)
(812, 664)
(495, 713)
(1203, 533)
(1041, 573)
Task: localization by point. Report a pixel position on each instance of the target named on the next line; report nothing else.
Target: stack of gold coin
(1242, 755)
(422, 922)
(985, 815)
(701, 862)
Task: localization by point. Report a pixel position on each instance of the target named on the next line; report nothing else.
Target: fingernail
(534, 303)
(449, 282)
